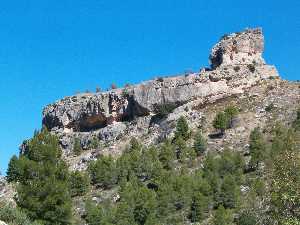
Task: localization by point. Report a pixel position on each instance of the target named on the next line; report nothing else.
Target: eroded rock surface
(237, 64)
(239, 48)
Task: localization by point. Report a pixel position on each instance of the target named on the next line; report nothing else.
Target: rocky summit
(236, 66)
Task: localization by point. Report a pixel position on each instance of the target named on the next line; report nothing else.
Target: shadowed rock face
(237, 64)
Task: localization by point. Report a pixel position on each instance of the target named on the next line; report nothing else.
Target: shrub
(199, 207)
(98, 214)
(296, 123)
(103, 172)
(167, 155)
(251, 68)
(247, 218)
(94, 143)
(160, 79)
(182, 129)
(125, 92)
(285, 181)
(79, 183)
(229, 194)
(165, 109)
(221, 122)
(77, 147)
(236, 68)
(231, 112)
(223, 216)
(14, 216)
(269, 107)
(200, 143)
(257, 148)
(224, 120)
(98, 89)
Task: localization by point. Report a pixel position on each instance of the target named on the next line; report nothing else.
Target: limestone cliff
(237, 64)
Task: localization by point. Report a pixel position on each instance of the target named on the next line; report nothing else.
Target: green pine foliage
(103, 172)
(77, 149)
(199, 207)
(223, 216)
(14, 170)
(285, 179)
(247, 218)
(94, 143)
(11, 215)
(229, 193)
(224, 120)
(221, 122)
(231, 112)
(163, 184)
(98, 214)
(43, 190)
(167, 155)
(200, 143)
(79, 183)
(182, 129)
(257, 147)
(296, 123)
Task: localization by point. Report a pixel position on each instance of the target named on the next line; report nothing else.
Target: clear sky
(54, 48)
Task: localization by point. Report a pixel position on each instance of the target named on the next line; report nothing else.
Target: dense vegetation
(176, 182)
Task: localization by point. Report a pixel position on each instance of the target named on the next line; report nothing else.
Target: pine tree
(151, 166)
(99, 214)
(221, 122)
(145, 205)
(230, 112)
(200, 143)
(167, 155)
(229, 194)
(79, 183)
(199, 207)
(14, 172)
(285, 181)
(124, 214)
(182, 129)
(77, 149)
(43, 190)
(247, 218)
(257, 147)
(103, 172)
(223, 216)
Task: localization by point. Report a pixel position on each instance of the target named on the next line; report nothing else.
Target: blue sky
(54, 48)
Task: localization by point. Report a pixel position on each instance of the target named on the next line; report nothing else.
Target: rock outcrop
(239, 48)
(237, 64)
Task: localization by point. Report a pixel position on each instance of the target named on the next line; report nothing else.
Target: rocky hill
(103, 123)
(238, 73)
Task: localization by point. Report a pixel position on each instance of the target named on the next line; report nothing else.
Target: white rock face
(2, 223)
(236, 66)
(239, 48)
